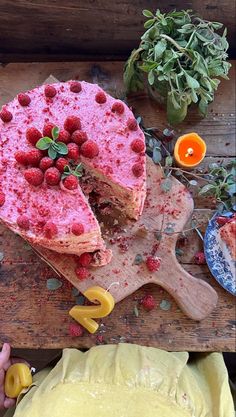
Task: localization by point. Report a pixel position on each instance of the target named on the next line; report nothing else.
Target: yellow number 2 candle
(85, 314)
(18, 376)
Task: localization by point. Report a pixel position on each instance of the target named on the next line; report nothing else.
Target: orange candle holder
(189, 151)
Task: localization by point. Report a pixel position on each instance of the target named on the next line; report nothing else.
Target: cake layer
(45, 214)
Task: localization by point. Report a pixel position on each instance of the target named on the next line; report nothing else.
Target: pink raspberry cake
(41, 196)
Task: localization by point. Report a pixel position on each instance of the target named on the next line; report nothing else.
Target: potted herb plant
(180, 56)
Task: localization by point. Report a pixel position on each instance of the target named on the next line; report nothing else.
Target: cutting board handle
(194, 296)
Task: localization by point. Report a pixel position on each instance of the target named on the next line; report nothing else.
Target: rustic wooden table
(33, 317)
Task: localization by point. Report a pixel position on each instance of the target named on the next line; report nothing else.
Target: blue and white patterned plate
(215, 258)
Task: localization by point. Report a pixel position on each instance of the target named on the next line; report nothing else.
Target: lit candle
(190, 150)
(85, 314)
(17, 378)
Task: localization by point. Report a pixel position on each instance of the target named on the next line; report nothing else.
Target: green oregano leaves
(55, 149)
(180, 55)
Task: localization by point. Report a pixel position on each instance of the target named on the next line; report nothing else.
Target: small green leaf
(194, 183)
(149, 23)
(207, 188)
(52, 153)
(151, 78)
(192, 83)
(166, 185)
(44, 143)
(169, 230)
(203, 106)
(147, 13)
(157, 157)
(55, 132)
(159, 48)
(62, 148)
(53, 284)
(165, 305)
(138, 259)
(169, 161)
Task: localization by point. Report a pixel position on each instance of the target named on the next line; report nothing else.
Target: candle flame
(189, 152)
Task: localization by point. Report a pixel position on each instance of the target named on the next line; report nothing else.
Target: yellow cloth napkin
(130, 381)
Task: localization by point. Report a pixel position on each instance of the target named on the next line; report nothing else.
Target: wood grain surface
(31, 29)
(33, 317)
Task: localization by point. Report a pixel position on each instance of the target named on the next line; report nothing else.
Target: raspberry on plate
(61, 163)
(73, 151)
(46, 163)
(77, 229)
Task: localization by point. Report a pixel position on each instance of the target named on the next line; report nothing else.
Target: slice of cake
(40, 193)
(228, 236)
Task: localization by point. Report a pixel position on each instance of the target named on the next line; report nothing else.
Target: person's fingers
(9, 402)
(2, 393)
(5, 354)
(7, 365)
(19, 360)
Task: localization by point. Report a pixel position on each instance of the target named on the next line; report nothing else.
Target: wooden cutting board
(165, 213)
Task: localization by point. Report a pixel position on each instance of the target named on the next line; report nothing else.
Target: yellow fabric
(130, 381)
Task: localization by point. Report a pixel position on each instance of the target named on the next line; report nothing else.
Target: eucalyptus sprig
(180, 56)
(77, 171)
(55, 149)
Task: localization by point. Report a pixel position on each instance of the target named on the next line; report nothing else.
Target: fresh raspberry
(61, 163)
(72, 123)
(47, 129)
(137, 170)
(199, 258)
(50, 91)
(64, 136)
(23, 222)
(137, 145)
(34, 176)
(46, 163)
(6, 115)
(20, 157)
(132, 124)
(118, 107)
(52, 176)
(33, 135)
(148, 302)
(101, 97)
(75, 86)
(50, 230)
(2, 200)
(75, 330)
(89, 149)
(82, 273)
(77, 229)
(71, 182)
(79, 137)
(33, 157)
(73, 151)
(85, 259)
(153, 264)
(24, 99)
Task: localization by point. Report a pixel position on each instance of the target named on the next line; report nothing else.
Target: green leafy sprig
(77, 171)
(55, 149)
(180, 56)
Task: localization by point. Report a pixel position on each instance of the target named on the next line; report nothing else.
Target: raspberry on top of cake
(41, 197)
